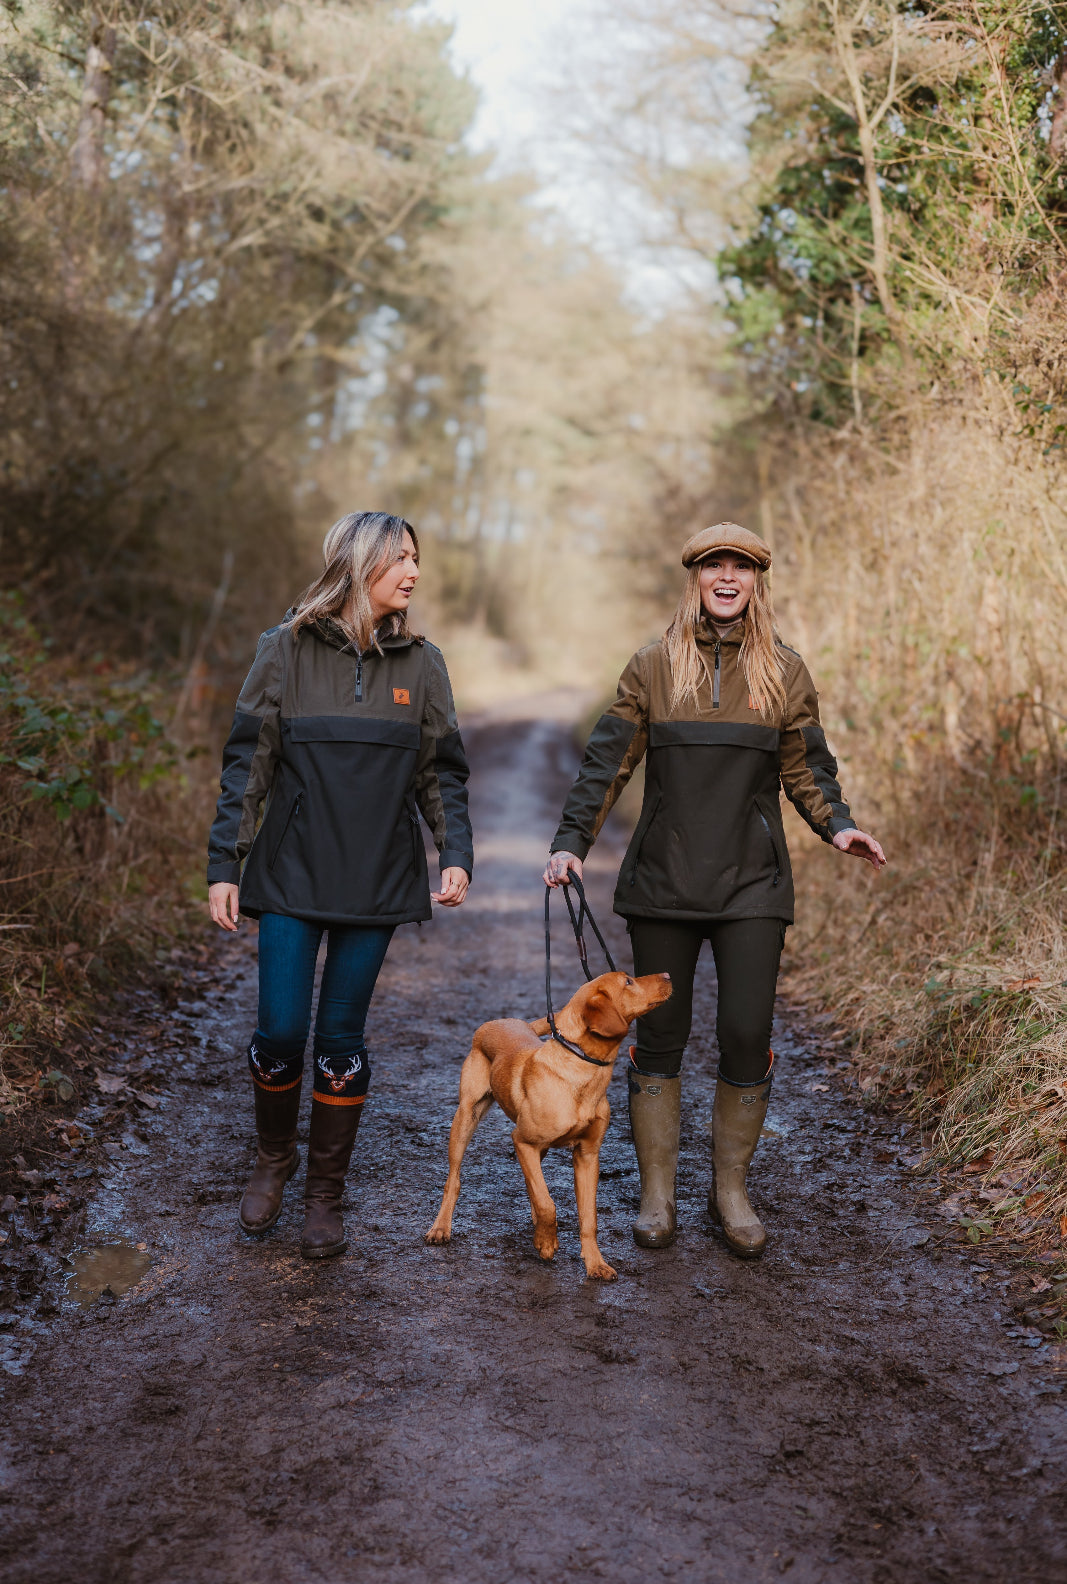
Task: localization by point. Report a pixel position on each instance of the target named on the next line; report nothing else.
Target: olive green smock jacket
(710, 844)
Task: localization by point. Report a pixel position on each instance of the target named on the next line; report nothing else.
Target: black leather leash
(577, 925)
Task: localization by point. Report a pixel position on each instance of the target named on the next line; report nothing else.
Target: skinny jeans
(747, 953)
(288, 951)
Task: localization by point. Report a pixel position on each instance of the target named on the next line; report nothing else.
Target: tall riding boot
(330, 1140)
(655, 1108)
(276, 1116)
(736, 1122)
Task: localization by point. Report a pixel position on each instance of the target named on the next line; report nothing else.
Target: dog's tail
(541, 1026)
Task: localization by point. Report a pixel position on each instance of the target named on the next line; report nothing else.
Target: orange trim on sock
(278, 1088)
(337, 1099)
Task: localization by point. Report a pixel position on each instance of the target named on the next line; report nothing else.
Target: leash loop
(577, 919)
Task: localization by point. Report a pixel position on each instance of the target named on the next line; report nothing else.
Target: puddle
(109, 1267)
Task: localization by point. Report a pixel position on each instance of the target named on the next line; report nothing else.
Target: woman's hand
(222, 900)
(558, 867)
(859, 845)
(454, 883)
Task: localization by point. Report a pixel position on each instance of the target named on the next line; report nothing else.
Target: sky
(503, 44)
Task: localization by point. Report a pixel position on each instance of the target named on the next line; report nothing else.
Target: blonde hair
(760, 659)
(355, 552)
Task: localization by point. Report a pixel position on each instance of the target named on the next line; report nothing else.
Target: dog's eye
(629, 980)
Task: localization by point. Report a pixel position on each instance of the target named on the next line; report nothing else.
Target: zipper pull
(359, 679)
(715, 680)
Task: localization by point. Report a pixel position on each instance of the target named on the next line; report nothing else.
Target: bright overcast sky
(504, 44)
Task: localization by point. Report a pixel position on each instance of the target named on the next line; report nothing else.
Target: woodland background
(251, 276)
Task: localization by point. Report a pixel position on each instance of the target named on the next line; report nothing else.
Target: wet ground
(848, 1409)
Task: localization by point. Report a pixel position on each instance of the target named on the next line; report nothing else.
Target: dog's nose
(665, 976)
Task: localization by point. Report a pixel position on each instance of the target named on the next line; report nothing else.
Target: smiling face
(392, 589)
(726, 583)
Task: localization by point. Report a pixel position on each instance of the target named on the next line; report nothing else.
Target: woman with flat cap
(726, 715)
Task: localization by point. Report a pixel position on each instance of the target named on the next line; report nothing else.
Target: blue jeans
(288, 948)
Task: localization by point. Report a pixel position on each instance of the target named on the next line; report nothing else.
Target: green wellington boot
(736, 1122)
(655, 1110)
(276, 1117)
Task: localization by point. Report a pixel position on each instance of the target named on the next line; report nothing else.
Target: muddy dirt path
(847, 1409)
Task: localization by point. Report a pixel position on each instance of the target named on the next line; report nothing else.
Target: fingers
(223, 904)
(558, 867)
(454, 886)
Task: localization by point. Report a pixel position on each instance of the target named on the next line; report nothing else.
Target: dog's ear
(602, 1016)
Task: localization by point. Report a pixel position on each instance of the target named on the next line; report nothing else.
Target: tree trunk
(1057, 143)
(88, 162)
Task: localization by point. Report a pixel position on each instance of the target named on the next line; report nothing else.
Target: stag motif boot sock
(334, 1124)
(277, 1109)
(736, 1123)
(655, 1108)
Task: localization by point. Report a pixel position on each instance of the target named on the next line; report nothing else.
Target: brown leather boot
(736, 1123)
(330, 1140)
(276, 1116)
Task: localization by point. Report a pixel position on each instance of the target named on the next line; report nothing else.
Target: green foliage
(67, 747)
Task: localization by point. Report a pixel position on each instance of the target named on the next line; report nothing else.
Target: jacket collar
(706, 633)
(332, 633)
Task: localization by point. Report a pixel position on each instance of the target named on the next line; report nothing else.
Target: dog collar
(576, 1050)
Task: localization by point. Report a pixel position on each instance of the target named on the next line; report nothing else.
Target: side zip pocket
(774, 844)
(416, 841)
(640, 834)
(294, 809)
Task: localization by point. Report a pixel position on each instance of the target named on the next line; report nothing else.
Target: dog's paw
(438, 1234)
(601, 1270)
(546, 1244)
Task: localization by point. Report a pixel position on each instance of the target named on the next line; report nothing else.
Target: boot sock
(334, 1124)
(277, 1110)
(655, 1105)
(736, 1123)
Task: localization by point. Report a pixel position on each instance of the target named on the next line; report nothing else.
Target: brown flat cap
(726, 536)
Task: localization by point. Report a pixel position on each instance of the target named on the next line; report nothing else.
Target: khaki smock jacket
(346, 748)
(710, 843)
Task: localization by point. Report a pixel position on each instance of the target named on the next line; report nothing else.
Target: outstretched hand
(859, 845)
(559, 867)
(454, 883)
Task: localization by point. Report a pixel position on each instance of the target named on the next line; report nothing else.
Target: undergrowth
(949, 975)
(96, 811)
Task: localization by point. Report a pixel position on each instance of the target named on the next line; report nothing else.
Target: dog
(554, 1098)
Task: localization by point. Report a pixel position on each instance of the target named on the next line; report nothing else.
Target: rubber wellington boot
(276, 1116)
(736, 1122)
(330, 1140)
(655, 1105)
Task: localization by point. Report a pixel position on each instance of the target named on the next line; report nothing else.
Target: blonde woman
(346, 727)
(725, 714)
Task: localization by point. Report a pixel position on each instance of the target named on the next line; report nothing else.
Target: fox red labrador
(553, 1097)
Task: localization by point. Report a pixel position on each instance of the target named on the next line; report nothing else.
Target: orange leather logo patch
(401, 696)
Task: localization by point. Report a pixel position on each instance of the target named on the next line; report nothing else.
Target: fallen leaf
(982, 1164)
(9, 1205)
(824, 1088)
(151, 1101)
(110, 1083)
(1040, 1284)
(34, 1178)
(1063, 1227)
(1022, 984)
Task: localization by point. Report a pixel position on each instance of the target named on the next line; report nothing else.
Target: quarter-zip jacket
(710, 843)
(345, 748)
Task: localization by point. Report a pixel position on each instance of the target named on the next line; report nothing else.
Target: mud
(850, 1408)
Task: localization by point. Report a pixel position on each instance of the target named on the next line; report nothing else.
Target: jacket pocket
(641, 832)
(294, 809)
(774, 845)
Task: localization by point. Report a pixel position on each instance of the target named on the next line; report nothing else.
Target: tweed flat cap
(726, 536)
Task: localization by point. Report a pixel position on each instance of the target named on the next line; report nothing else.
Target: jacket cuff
(225, 872)
(572, 842)
(838, 823)
(453, 858)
